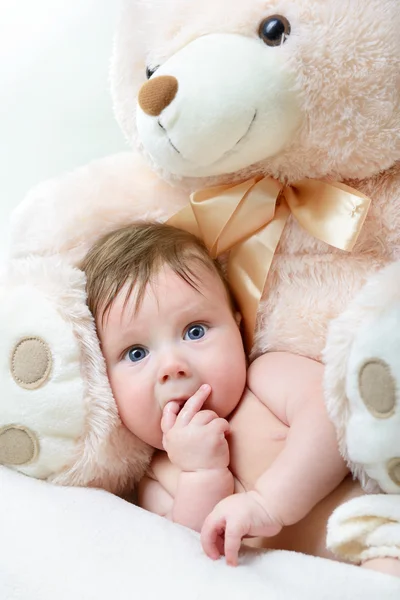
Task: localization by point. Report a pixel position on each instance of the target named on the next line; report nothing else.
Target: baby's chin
(153, 439)
(158, 445)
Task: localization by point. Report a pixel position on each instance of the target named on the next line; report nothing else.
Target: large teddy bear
(285, 115)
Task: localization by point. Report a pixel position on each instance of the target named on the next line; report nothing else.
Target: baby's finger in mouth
(169, 414)
(193, 405)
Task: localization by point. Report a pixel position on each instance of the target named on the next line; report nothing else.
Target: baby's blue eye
(195, 332)
(137, 353)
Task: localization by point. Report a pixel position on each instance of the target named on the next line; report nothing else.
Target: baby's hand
(233, 519)
(194, 439)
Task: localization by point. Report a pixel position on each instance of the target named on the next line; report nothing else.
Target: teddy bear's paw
(373, 392)
(364, 528)
(42, 411)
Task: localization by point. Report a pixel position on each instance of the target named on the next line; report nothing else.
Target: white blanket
(79, 544)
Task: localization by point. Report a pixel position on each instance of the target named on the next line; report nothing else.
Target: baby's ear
(238, 318)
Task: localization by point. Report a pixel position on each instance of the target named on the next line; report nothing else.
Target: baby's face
(179, 339)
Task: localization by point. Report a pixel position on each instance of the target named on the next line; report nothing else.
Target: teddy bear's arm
(65, 215)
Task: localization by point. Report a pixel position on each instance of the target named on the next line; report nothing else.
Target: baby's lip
(181, 401)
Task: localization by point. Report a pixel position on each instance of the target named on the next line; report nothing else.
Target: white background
(55, 107)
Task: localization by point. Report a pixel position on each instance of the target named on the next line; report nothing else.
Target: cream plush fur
(325, 104)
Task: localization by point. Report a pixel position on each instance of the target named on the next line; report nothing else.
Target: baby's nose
(157, 94)
(174, 368)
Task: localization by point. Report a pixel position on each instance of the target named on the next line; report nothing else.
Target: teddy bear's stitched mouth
(168, 138)
(225, 153)
(245, 134)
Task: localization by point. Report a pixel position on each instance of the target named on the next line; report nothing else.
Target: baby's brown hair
(134, 254)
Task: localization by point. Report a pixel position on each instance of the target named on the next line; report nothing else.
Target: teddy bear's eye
(274, 30)
(150, 71)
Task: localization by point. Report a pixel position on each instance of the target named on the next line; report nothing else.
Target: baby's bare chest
(256, 438)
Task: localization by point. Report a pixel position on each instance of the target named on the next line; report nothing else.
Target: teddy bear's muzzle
(218, 105)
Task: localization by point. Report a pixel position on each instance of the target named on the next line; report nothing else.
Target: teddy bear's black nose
(157, 94)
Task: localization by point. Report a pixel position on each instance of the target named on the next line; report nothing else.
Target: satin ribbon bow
(248, 219)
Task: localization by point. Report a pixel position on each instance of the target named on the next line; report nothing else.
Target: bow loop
(228, 215)
(332, 212)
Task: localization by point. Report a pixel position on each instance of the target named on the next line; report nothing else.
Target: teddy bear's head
(222, 89)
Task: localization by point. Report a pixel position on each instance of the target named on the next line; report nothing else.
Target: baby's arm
(185, 498)
(187, 481)
(156, 489)
(310, 466)
(197, 495)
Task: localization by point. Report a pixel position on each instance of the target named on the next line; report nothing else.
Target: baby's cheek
(119, 383)
(230, 385)
(237, 379)
(137, 405)
(114, 380)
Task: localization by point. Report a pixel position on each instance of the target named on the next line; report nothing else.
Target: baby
(238, 452)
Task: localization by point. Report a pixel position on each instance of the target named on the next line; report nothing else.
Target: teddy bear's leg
(362, 381)
(366, 531)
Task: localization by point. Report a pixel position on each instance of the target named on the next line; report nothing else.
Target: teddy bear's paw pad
(31, 363)
(18, 445)
(377, 387)
(373, 390)
(394, 471)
